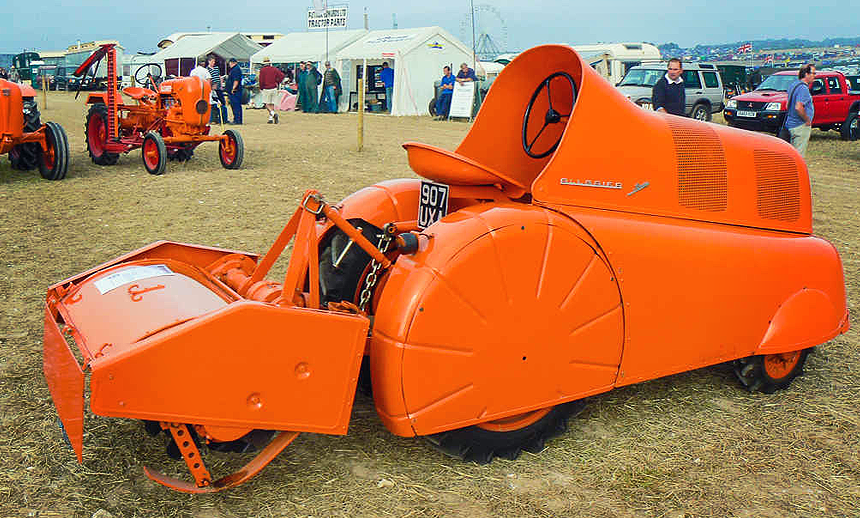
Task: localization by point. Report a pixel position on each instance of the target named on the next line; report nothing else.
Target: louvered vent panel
(702, 174)
(777, 185)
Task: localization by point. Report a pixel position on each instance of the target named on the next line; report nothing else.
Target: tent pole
(361, 105)
(474, 53)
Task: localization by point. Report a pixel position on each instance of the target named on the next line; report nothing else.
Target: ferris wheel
(491, 31)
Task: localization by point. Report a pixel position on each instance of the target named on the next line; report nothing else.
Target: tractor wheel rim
(96, 135)
(778, 366)
(515, 422)
(49, 156)
(150, 154)
(228, 150)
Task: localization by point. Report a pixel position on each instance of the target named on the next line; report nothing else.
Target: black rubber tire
(153, 140)
(432, 107)
(56, 138)
(753, 376)
(701, 111)
(99, 157)
(26, 157)
(481, 446)
(341, 283)
(850, 129)
(240, 150)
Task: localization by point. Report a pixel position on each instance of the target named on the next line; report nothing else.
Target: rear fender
(27, 90)
(98, 98)
(804, 320)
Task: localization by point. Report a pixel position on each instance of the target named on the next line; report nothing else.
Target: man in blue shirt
(466, 74)
(234, 90)
(387, 77)
(443, 102)
(801, 111)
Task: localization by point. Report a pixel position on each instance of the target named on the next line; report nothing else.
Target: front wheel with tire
(770, 372)
(850, 129)
(154, 153)
(506, 438)
(432, 107)
(231, 150)
(701, 112)
(54, 161)
(97, 135)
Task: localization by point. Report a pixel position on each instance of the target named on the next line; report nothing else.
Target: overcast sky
(53, 25)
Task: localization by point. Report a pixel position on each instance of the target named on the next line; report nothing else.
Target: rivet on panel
(255, 401)
(303, 371)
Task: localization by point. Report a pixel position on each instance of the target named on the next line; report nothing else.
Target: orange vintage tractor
(30, 143)
(542, 262)
(168, 122)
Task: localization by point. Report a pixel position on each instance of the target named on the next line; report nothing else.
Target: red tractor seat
(443, 166)
(137, 93)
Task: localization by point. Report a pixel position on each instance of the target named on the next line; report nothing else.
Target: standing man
(300, 84)
(312, 79)
(668, 95)
(234, 89)
(270, 78)
(801, 111)
(217, 90)
(386, 75)
(443, 102)
(201, 71)
(466, 74)
(331, 88)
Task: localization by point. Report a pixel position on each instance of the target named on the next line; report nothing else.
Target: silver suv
(702, 81)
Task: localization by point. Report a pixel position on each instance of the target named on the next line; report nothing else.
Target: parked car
(764, 109)
(703, 87)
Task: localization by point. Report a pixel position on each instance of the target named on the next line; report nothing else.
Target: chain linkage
(373, 275)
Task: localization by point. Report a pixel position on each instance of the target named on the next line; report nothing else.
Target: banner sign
(329, 17)
(462, 100)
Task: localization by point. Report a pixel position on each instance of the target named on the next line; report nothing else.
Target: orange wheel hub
(514, 422)
(778, 366)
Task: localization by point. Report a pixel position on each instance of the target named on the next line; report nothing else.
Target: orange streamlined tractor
(168, 122)
(28, 142)
(542, 262)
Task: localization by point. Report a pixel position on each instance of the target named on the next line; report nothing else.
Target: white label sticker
(128, 275)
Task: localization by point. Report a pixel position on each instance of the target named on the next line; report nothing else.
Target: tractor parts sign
(334, 17)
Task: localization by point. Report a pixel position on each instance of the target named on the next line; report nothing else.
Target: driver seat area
(494, 152)
(443, 166)
(138, 93)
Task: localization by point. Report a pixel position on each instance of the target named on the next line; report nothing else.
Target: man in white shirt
(201, 71)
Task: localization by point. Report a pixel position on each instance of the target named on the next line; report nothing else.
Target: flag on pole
(746, 47)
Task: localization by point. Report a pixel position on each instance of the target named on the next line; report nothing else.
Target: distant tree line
(769, 44)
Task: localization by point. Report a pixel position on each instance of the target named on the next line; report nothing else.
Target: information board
(327, 17)
(462, 100)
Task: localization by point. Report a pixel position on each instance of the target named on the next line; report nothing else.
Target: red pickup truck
(764, 109)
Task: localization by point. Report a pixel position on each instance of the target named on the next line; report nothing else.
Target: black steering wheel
(141, 80)
(551, 117)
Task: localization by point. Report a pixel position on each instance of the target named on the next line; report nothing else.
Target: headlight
(773, 107)
(731, 103)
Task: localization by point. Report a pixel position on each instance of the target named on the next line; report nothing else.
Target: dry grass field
(690, 445)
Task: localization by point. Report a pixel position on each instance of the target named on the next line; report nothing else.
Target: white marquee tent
(179, 58)
(417, 56)
(306, 46)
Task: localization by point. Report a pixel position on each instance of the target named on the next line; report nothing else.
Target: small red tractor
(30, 143)
(169, 121)
(542, 262)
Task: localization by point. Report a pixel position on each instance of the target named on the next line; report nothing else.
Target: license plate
(646, 106)
(433, 203)
(742, 113)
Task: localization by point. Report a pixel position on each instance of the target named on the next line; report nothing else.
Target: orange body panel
(11, 115)
(505, 309)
